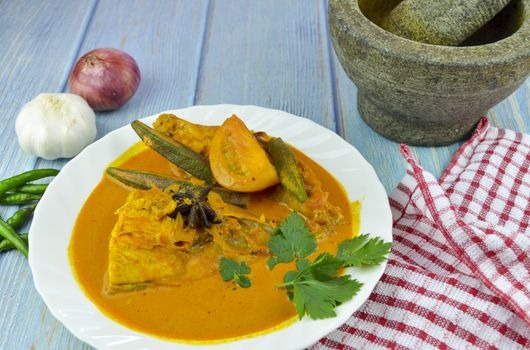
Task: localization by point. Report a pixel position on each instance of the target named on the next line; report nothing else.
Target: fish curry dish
(191, 232)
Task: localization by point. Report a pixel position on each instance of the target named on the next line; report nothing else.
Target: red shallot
(106, 78)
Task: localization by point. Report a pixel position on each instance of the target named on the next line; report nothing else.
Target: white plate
(57, 212)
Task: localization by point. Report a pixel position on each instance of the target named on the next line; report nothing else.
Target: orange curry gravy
(200, 311)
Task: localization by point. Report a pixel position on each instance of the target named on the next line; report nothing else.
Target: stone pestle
(441, 22)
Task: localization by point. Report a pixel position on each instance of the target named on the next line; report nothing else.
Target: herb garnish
(362, 250)
(291, 240)
(232, 270)
(315, 287)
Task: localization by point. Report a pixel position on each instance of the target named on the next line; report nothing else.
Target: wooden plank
(268, 53)
(166, 41)
(37, 48)
(383, 154)
(513, 112)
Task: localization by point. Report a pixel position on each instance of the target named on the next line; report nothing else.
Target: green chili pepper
(28, 176)
(5, 245)
(18, 198)
(20, 217)
(31, 188)
(11, 236)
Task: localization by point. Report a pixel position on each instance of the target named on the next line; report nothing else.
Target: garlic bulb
(55, 126)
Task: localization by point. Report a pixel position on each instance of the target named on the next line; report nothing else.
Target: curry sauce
(203, 310)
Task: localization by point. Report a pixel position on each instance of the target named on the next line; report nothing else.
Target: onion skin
(106, 78)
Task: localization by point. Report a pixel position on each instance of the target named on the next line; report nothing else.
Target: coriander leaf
(290, 276)
(315, 289)
(361, 251)
(271, 262)
(298, 297)
(232, 270)
(318, 299)
(293, 240)
(352, 244)
(325, 266)
(302, 264)
(243, 281)
(298, 235)
(279, 246)
(244, 268)
(227, 268)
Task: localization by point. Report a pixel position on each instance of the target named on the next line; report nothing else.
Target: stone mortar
(424, 94)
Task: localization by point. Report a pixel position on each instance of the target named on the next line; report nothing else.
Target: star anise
(194, 208)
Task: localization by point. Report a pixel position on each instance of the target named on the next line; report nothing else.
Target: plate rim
(386, 215)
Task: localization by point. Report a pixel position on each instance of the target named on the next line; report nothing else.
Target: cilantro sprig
(315, 287)
(363, 250)
(232, 270)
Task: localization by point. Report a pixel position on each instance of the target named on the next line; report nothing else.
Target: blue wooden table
(275, 54)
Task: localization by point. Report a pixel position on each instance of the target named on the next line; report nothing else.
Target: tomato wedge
(238, 161)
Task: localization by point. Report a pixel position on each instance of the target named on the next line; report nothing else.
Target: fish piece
(195, 136)
(241, 234)
(149, 247)
(146, 246)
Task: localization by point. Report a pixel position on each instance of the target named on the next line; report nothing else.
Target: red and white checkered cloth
(459, 272)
